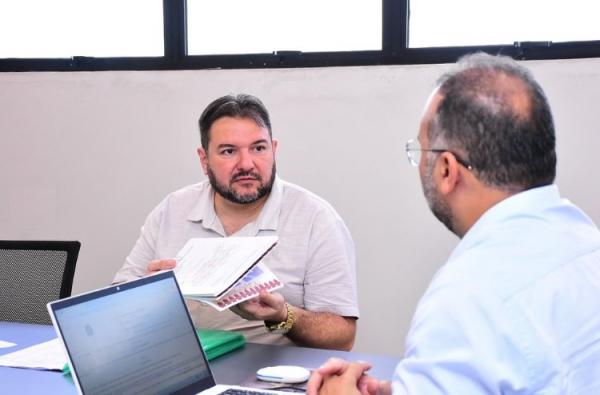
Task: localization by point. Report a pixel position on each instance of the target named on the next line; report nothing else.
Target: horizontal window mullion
(526, 51)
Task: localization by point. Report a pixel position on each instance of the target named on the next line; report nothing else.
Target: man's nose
(245, 161)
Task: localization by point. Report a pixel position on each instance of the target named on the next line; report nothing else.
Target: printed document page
(257, 279)
(49, 355)
(208, 267)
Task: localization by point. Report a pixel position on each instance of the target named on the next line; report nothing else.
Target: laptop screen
(132, 338)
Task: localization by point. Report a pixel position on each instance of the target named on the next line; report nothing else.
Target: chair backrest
(33, 273)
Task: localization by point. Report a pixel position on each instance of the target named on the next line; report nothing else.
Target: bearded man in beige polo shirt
(243, 196)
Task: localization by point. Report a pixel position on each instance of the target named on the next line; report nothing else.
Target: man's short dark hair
(240, 106)
(494, 112)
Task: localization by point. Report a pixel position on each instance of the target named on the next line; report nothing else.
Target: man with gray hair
(516, 308)
(314, 258)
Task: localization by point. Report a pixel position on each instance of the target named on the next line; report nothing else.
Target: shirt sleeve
(461, 343)
(330, 280)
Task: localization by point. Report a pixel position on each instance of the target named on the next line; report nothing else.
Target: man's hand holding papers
(266, 307)
(159, 265)
(223, 272)
(258, 280)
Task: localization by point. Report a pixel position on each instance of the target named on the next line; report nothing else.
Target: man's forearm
(323, 330)
(309, 328)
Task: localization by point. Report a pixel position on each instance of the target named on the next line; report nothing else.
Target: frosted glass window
(264, 26)
(65, 28)
(438, 23)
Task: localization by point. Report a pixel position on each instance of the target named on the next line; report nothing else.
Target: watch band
(283, 326)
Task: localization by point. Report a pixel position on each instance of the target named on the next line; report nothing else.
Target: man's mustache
(246, 174)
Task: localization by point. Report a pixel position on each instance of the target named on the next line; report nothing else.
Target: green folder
(214, 342)
(218, 342)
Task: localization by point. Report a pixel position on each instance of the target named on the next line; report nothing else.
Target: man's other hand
(160, 264)
(337, 376)
(266, 307)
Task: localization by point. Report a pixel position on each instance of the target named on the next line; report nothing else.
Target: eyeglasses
(413, 153)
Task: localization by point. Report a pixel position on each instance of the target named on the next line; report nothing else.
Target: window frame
(394, 50)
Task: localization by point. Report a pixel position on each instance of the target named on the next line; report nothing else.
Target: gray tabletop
(237, 367)
(241, 365)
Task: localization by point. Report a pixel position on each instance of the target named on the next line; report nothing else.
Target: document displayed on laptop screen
(131, 339)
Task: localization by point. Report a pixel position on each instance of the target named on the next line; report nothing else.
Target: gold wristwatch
(283, 326)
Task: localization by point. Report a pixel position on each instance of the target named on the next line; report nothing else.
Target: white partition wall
(87, 155)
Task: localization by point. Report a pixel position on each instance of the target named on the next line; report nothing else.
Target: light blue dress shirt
(515, 310)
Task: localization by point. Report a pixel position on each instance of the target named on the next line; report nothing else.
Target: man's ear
(203, 159)
(274, 144)
(446, 173)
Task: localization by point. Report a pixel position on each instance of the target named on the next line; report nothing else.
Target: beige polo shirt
(314, 257)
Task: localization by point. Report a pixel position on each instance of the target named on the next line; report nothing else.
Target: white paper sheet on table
(49, 355)
(5, 344)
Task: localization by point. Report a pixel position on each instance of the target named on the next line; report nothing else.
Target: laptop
(136, 338)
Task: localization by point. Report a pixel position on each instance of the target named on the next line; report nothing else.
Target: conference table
(237, 367)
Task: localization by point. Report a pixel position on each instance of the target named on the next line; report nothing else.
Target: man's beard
(437, 205)
(227, 192)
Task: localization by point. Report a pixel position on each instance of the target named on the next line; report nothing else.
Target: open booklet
(225, 271)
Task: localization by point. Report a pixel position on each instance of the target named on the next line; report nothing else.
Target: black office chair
(33, 273)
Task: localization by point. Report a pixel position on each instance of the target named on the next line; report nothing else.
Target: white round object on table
(283, 374)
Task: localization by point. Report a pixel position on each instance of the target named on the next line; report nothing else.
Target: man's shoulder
(190, 192)
(295, 194)
(185, 198)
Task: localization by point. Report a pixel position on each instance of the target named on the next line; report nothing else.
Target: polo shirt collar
(204, 209)
(268, 219)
